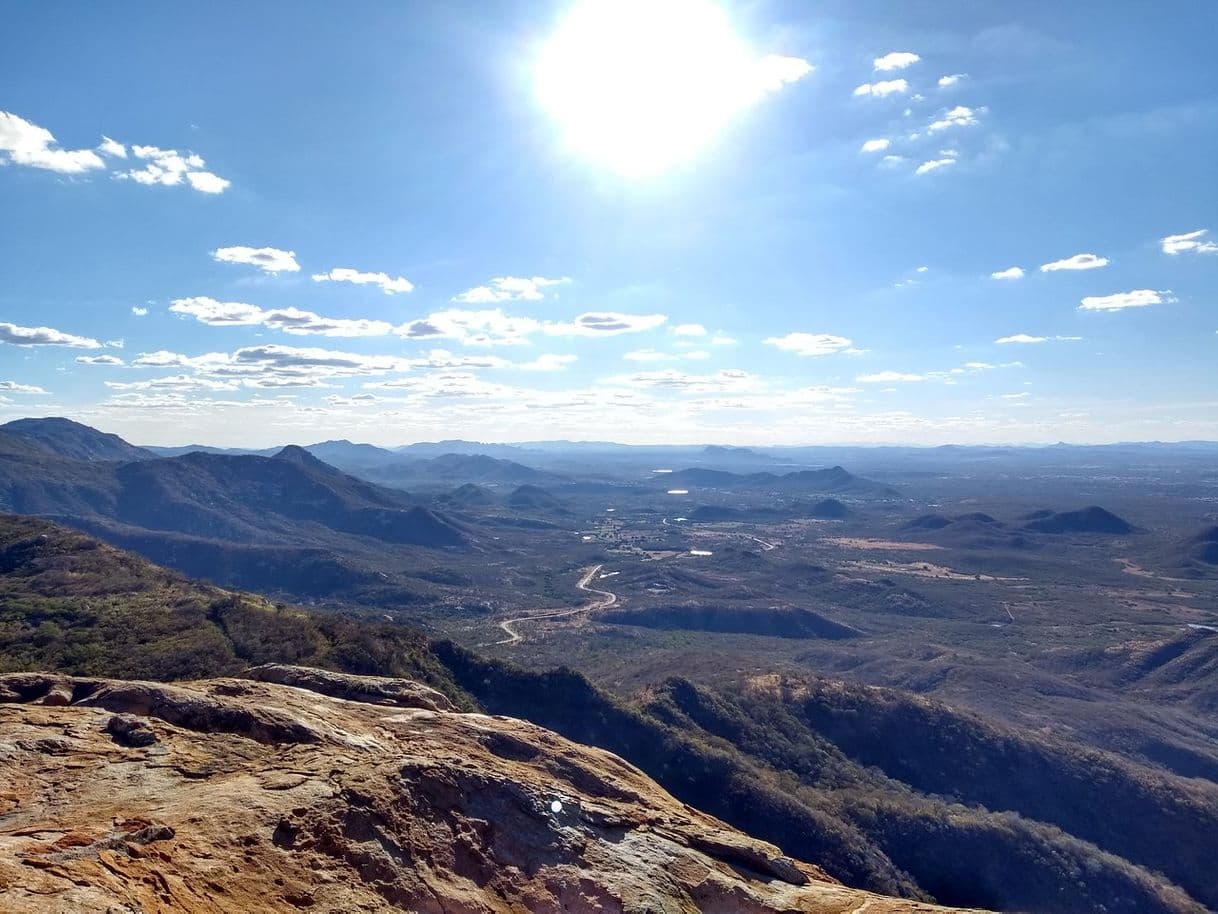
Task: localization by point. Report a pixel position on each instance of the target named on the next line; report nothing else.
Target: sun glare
(641, 85)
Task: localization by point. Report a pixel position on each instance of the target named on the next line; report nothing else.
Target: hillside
(753, 759)
(71, 603)
(1092, 520)
(73, 441)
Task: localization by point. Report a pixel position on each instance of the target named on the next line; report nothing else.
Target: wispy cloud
(728, 379)
(268, 260)
(878, 145)
(16, 335)
(290, 320)
(509, 288)
(1028, 339)
(388, 284)
(489, 327)
(1139, 298)
(605, 323)
(14, 387)
(108, 360)
(138, 311)
(1077, 262)
(951, 80)
(549, 362)
(889, 377)
(895, 60)
(1189, 243)
(810, 344)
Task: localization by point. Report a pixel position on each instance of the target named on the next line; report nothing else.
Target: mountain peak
(296, 454)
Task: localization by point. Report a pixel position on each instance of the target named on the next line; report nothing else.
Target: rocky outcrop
(300, 789)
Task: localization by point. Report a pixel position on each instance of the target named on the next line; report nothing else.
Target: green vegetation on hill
(70, 603)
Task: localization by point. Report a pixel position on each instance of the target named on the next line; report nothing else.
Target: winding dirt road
(604, 599)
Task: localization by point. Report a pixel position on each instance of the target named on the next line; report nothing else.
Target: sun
(642, 85)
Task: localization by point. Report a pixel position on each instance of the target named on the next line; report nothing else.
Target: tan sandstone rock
(272, 794)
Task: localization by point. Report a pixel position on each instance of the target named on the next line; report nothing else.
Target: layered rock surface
(299, 789)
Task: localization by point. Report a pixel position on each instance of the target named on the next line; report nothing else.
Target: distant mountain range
(835, 480)
(244, 519)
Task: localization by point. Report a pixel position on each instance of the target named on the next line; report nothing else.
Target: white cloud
(174, 382)
(728, 379)
(1139, 298)
(882, 88)
(875, 145)
(289, 320)
(472, 328)
(138, 311)
(810, 344)
(109, 147)
(1021, 338)
(1009, 273)
(959, 116)
(1019, 396)
(774, 71)
(99, 360)
(389, 285)
(549, 362)
(1077, 262)
(722, 339)
(896, 60)
(888, 377)
(13, 387)
(935, 164)
(44, 336)
(605, 323)
(689, 330)
(509, 288)
(268, 260)
(1026, 338)
(168, 167)
(275, 366)
(207, 182)
(947, 81)
(442, 359)
(1189, 243)
(23, 143)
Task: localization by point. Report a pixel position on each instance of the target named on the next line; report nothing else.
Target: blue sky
(818, 268)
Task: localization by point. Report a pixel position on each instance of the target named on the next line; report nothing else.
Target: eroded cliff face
(299, 789)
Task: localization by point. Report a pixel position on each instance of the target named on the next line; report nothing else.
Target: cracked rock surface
(298, 789)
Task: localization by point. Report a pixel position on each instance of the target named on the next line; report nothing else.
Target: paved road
(603, 599)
